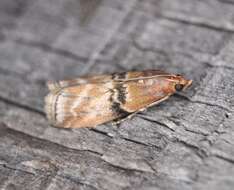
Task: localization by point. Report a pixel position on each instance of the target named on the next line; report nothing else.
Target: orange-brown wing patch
(85, 105)
(142, 93)
(92, 108)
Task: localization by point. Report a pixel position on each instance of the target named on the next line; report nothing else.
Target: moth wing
(57, 85)
(124, 76)
(85, 105)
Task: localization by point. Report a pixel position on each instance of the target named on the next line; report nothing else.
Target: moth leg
(130, 116)
(118, 121)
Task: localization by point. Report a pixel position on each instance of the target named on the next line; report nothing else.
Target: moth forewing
(90, 101)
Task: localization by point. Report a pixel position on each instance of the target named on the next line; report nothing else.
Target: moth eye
(179, 87)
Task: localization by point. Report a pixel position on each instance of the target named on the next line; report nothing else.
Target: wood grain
(183, 143)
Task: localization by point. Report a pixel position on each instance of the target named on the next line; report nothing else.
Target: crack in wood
(141, 143)
(223, 157)
(202, 102)
(128, 169)
(201, 153)
(155, 121)
(231, 2)
(201, 24)
(16, 169)
(101, 132)
(195, 132)
(125, 138)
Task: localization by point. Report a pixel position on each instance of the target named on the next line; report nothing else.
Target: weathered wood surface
(184, 143)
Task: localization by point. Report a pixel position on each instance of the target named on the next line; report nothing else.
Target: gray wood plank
(183, 143)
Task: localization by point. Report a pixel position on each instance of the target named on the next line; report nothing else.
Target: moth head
(181, 83)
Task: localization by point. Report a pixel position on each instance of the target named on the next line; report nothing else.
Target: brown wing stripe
(121, 92)
(116, 108)
(116, 76)
(117, 98)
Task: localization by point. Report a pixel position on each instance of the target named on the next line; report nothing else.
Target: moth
(90, 101)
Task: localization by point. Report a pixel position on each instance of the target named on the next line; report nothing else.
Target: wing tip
(53, 86)
(55, 109)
